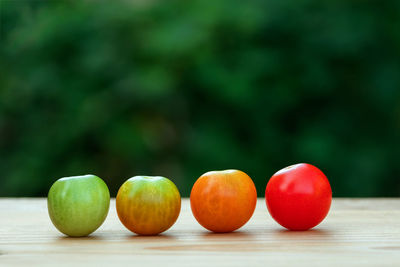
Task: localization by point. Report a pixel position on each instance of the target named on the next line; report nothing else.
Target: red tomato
(223, 201)
(298, 197)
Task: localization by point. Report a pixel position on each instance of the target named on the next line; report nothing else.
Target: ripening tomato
(148, 205)
(298, 197)
(223, 201)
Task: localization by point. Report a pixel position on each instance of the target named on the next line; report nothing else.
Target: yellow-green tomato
(148, 205)
(78, 205)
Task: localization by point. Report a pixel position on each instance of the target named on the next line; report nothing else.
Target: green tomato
(78, 205)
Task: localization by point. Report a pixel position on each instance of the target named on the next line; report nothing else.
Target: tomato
(223, 201)
(148, 205)
(298, 197)
(78, 205)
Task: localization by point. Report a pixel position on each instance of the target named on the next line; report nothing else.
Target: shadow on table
(80, 238)
(308, 234)
(234, 236)
(150, 238)
(69, 240)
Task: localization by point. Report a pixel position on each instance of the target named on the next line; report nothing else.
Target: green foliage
(178, 88)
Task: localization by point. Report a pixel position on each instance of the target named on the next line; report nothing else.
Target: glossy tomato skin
(223, 201)
(148, 205)
(298, 197)
(78, 205)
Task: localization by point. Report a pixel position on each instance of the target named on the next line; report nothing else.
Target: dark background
(178, 88)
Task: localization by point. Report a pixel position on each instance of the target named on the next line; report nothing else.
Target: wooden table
(356, 232)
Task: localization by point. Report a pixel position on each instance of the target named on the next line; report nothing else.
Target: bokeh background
(178, 88)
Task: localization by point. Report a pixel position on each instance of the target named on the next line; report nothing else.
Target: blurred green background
(178, 88)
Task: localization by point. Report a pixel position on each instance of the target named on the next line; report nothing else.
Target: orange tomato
(223, 201)
(148, 205)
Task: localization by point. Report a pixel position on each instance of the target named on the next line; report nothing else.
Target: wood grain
(357, 232)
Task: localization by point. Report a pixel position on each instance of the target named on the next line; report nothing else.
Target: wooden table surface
(356, 232)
